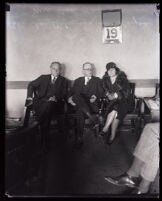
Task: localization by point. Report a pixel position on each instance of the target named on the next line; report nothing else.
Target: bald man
(84, 97)
(51, 90)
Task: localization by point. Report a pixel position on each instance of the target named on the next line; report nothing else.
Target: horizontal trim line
(140, 83)
(17, 84)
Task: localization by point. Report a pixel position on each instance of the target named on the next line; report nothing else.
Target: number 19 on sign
(112, 34)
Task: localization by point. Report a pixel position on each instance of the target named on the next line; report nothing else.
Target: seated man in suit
(145, 164)
(84, 97)
(51, 90)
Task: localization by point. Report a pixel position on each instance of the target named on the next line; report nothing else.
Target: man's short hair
(87, 63)
(56, 62)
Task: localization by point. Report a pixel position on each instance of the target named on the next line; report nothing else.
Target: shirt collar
(52, 77)
(88, 78)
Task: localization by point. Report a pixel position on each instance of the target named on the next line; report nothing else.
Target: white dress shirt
(53, 78)
(87, 79)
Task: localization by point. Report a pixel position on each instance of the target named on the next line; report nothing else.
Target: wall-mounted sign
(112, 34)
(111, 26)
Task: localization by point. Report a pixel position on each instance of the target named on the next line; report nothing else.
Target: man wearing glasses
(51, 90)
(84, 97)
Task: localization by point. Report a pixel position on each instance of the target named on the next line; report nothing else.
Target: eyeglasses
(88, 69)
(53, 68)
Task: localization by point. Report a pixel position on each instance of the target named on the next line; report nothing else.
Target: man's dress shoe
(109, 141)
(123, 180)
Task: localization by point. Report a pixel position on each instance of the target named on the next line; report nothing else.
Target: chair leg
(133, 125)
(140, 126)
(27, 116)
(136, 124)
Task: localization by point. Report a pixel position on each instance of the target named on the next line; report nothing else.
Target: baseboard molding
(140, 83)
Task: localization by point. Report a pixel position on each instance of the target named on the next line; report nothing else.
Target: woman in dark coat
(118, 97)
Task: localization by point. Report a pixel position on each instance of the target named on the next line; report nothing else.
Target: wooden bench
(130, 123)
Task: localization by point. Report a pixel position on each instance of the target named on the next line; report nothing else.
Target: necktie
(53, 80)
(87, 80)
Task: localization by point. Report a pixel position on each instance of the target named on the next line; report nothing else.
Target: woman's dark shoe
(102, 133)
(124, 180)
(110, 141)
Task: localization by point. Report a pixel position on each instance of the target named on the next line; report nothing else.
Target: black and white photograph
(82, 100)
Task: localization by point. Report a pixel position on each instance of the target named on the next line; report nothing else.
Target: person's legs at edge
(131, 177)
(147, 171)
(147, 150)
(145, 163)
(144, 186)
(135, 169)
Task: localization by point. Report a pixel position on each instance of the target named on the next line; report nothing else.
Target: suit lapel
(83, 81)
(90, 83)
(57, 80)
(90, 86)
(91, 80)
(49, 79)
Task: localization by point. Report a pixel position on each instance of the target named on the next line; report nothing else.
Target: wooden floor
(66, 171)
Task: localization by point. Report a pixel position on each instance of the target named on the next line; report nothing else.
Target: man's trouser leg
(44, 111)
(80, 125)
(83, 109)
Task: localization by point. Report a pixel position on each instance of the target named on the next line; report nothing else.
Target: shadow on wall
(94, 70)
(63, 70)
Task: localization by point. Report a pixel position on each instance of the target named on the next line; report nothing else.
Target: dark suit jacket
(41, 85)
(94, 87)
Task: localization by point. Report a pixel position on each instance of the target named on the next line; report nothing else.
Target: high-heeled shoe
(102, 133)
(109, 141)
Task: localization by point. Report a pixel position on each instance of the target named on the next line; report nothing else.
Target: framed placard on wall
(112, 26)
